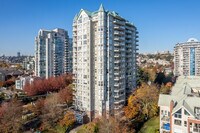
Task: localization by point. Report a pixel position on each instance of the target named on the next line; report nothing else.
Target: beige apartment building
(180, 111)
(104, 61)
(187, 58)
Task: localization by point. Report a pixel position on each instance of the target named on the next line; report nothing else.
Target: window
(185, 123)
(197, 112)
(177, 122)
(84, 36)
(178, 114)
(186, 113)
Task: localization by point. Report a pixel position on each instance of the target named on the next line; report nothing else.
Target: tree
(11, 117)
(1, 83)
(142, 76)
(68, 120)
(52, 84)
(51, 113)
(37, 107)
(111, 125)
(160, 78)
(30, 89)
(65, 95)
(91, 127)
(142, 103)
(166, 89)
(104, 125)
(8, 83)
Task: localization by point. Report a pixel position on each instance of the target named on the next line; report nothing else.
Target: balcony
(117, 55)
(166, 127)
(119, 33)
(117, 62)
(116, 74)
(118, 96)
(74, 24)
(129, 32)
(129, 41)
(118, 107)
(129, 36)
(119, 101)
(116, 50)
(116, 79)
(116, 44)
(117, 68)
(119, 39)
(118, 90)
(119, 27)
(165, 118)
(119, 22)
(74, 29)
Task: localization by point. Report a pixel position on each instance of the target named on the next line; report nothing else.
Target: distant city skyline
(161, 24)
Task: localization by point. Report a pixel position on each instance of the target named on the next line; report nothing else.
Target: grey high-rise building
(104, 61)
(52, 51)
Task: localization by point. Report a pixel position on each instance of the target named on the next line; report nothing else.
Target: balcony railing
(165, 118)
(119, 22)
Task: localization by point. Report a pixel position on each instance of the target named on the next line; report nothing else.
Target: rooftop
(184, 93)
(101, 9)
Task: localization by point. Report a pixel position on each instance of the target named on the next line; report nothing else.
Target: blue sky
(161, 23)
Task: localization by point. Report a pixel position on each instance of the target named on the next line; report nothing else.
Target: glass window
(185, 123)
(186, 113)
(177, 122)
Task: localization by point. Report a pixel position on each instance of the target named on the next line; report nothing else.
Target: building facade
(104, 61)
(180, 111)
(187, 58)
(52, 51)
(28, 63)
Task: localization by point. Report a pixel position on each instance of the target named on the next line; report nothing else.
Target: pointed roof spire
(101, 8)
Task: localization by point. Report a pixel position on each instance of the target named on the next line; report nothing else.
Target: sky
(161, 23)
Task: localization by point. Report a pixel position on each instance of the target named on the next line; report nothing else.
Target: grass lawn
(151, 126)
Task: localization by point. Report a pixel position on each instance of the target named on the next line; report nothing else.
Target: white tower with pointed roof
(104, 61)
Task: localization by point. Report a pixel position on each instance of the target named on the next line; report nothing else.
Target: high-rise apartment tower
(52, 53)
(187, 58)
(104, 61)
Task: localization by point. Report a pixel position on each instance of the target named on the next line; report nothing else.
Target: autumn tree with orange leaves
(68, 120)
(104, 125)
(142, 104)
